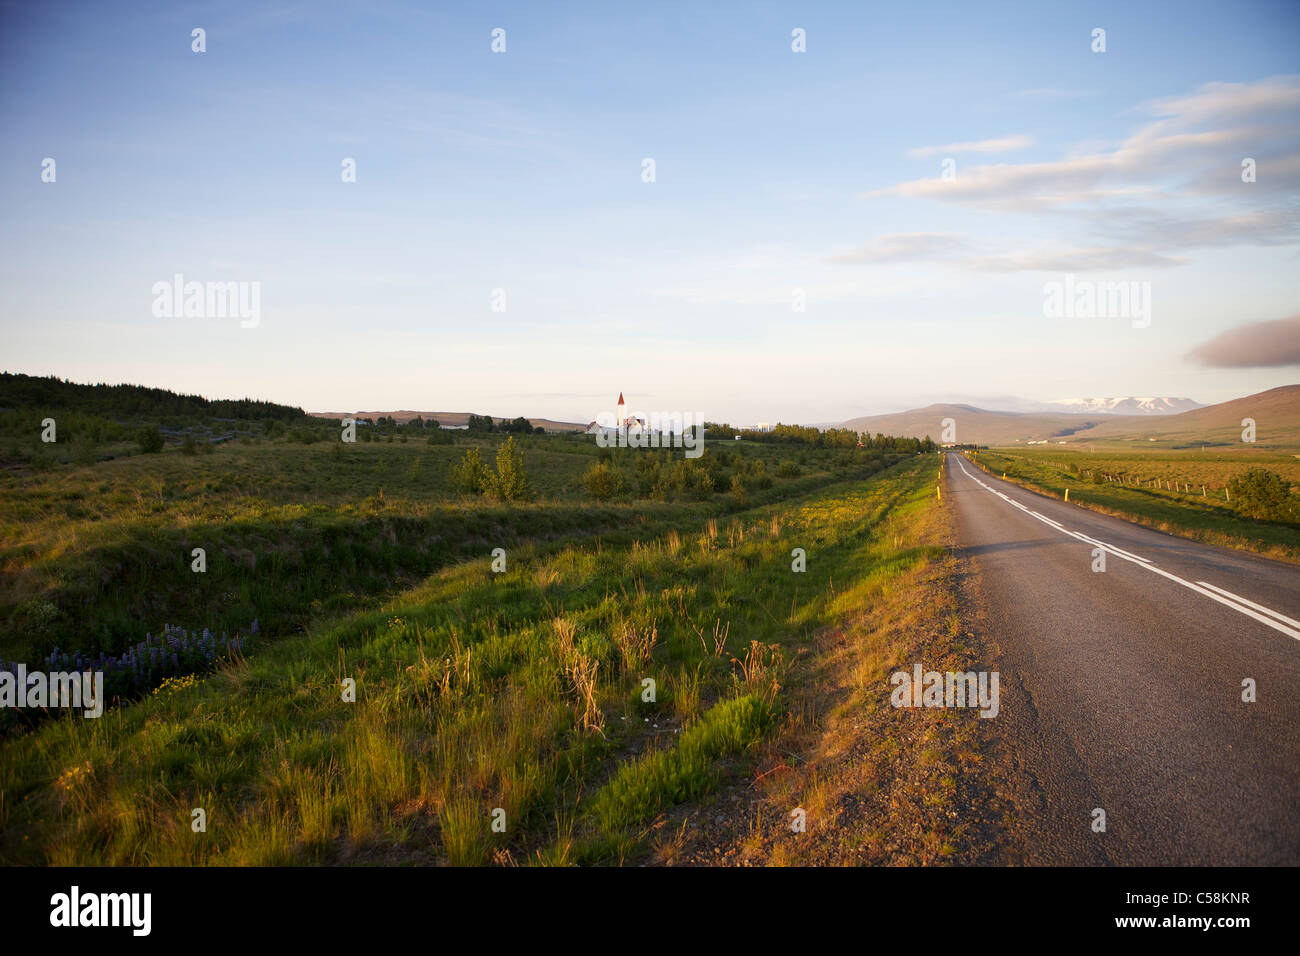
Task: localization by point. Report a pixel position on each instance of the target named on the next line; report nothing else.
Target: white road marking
(1258, 607)
(1047, 520)
(1226, 598)
(1111, 548)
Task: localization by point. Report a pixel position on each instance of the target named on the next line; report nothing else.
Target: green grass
(663, 778)
(1181, 492)
(477, 692)
(96, 555)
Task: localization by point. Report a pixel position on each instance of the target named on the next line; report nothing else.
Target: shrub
(470, 476)
(84, 452)
(1263, 495)
(738, 495)
(701, 484)
(150, 440)
(672, 480)
(510, 482)
(188, 445)
(788, 469)
(603, 481)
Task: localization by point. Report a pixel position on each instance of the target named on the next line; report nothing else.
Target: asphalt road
(1122, 689)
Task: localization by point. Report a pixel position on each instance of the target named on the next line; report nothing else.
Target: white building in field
(622, 421)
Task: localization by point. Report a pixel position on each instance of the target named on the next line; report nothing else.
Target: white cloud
(959, 252)
(1174, 184)
(1005, 144)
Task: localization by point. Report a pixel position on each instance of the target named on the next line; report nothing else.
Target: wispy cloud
(910, 247)
(1176, 183)
(957, 251)
(1005, 144)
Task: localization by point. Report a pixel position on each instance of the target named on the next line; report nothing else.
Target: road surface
(1122, 689)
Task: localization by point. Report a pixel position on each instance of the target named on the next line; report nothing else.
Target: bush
(84, 452)
(150, 440)
(788, 469)
(470, 476)
(701, 484)
(672, 480)
(1263, 495)
(603, 481)
(188, 445)
(441, 436)
(738, 495)
(510, 482)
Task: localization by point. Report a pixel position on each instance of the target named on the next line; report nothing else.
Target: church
(622, 421)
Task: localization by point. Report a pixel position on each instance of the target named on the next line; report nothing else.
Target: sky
(869, 225)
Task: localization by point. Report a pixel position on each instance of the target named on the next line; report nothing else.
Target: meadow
(95, 555)
(1181, 491)
(516, 698)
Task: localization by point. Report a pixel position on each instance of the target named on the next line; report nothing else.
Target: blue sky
(775, 171)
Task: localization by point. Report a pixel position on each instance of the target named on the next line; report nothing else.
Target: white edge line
(1258, 607)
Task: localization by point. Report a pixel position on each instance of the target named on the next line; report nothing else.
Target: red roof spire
(620, 398)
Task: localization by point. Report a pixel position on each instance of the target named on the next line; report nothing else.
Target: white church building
(622, 421)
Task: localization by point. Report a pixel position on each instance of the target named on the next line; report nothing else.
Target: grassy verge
(1183, 496)
(876, 785)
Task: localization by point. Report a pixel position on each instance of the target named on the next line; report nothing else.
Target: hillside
(1276, 413)
(403, 416)
(46, 394)
(976, 424)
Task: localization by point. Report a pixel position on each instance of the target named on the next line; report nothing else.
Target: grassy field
(1183, 492)
(515, 697)
(96, 555)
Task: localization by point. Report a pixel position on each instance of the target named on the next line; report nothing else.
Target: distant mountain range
(1123, 406)
(1276, 413)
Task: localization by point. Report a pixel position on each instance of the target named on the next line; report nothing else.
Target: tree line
(825, 438)
(50, 393)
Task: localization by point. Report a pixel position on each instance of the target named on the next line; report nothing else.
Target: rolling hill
(448, 418)
(975, 424)
(1276, 413)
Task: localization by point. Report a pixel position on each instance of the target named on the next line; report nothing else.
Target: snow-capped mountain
(1125, 406)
